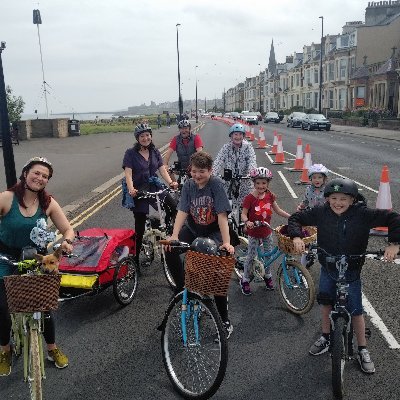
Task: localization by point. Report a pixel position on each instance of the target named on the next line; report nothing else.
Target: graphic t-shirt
(259, 210)
(203, 205)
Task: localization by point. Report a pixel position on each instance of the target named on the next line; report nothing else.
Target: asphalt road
(115, 352)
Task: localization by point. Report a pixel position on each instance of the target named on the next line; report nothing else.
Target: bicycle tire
(125, 281)
(240, 256)
(298, 296)
(338, 346)
(16, 334)
(167, 272)
(197, 370)
(34, 370)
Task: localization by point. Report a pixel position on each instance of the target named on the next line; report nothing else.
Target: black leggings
(175, 262)
(49, 331)
(169, 206)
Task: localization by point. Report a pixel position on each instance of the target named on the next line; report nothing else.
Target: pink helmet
(261, 172)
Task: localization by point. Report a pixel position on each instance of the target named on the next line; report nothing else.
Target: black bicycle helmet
(204, 245)
(184, 123)
(341, 185)
(142, 128)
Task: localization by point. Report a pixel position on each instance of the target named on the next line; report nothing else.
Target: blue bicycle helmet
(236, 128)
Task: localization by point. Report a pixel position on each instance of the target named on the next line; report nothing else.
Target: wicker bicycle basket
(285, 243)
(30, 293)
(207, 274)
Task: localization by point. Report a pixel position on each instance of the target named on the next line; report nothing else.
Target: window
(307, 76)
(331, 99)
(297, 79)
(308, 100)
(344, 41)
(297, 99)
(316, 75)
(342, 99)
(315, 105)
(360, 92)
(342, 68)
(331, 75)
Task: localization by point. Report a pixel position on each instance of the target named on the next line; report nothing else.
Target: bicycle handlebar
(374, 253)
(146, 195)
(187, 246)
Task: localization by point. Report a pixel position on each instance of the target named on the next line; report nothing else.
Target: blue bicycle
(193, 340)
(295, 284)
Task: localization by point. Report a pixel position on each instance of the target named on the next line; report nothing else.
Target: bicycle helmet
(184, 123)
(142, 128)
(236, 128)
(317, 169)
(204, 245)
(38, 160)
(260, 172)
(341, 185)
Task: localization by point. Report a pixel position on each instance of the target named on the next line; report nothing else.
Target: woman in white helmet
(314, 194)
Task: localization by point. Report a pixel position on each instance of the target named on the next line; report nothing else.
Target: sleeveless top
(15, 230)
(184, 151)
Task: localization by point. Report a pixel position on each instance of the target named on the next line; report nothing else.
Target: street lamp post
(8, 154)
(195, 72)
(180, 103)
(320, 67)
(260, 90)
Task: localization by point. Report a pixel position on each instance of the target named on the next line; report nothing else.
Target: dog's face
(49, 264)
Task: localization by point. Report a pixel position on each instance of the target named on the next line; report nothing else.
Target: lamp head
(3, 45)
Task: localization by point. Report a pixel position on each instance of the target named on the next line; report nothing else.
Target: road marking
(358, 183)
(269, 158)
(377, 321)
(291, 191)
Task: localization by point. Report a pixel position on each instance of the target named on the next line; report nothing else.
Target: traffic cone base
(304, 180)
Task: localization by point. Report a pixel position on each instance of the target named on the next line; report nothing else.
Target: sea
(75, 115)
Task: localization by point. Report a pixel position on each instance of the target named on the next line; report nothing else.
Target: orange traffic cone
(247, 131)
(251, 138)
(274, 144)
(299, 161)
(279, 157)
(304, 180)
(384, 199)
(262, 144)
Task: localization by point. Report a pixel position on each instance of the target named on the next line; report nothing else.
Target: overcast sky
(107, 55)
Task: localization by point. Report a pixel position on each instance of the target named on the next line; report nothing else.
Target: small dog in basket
(49, 264)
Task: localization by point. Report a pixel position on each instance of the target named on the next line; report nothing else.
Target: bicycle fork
(187, 310)
(297, 281)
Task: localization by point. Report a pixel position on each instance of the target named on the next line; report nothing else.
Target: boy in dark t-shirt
(202, 212)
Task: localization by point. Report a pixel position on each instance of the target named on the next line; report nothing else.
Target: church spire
(272, 60)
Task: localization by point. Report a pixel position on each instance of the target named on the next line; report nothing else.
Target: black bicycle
(341, 344)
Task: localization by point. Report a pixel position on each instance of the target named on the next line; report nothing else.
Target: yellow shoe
(5, 363)
(58, 357)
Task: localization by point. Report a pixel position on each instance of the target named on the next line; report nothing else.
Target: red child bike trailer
(101, 258)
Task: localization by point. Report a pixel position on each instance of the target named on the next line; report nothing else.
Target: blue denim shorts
(327, 288)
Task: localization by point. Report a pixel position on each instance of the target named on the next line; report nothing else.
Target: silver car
(295, 119)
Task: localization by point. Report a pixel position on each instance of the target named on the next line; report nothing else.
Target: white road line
(377, 321)
(358, 183)
(269, 157)
(291, 191)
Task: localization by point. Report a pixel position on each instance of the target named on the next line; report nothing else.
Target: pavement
(367, 131)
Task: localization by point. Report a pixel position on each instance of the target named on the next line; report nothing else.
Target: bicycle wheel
(16, 333)
(296, 288)
(146, 254)
(240, 256)
(338, 353)
(166, 270)
(196, 370)
(34, 372)
(125, 281)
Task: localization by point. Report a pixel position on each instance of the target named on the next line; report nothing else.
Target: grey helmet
(142, 128)
(204, 245)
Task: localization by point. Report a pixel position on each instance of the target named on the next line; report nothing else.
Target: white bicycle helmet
(261, 172)
(317, 169)
(184, 123)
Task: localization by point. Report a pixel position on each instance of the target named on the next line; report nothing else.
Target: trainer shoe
(321, 346)
(58, 357)
(229, 329)
(269, 283)
(5, 363)
(245, 287)
(365, 361)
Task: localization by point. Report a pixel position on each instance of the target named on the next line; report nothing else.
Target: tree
(15, 105)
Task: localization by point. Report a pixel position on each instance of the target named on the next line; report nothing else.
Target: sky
(108, 55)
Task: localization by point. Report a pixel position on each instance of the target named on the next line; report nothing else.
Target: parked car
(272, 117)
(295, 119)
(235, 115)
(250, 118)
(315, 121)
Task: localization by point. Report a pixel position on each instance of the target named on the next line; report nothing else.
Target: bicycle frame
(185, 315)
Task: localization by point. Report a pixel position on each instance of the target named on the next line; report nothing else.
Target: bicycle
(295, 284)
(193, 340)
(156, 229)
(235, 219)
(341, 346)
(29, 297)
